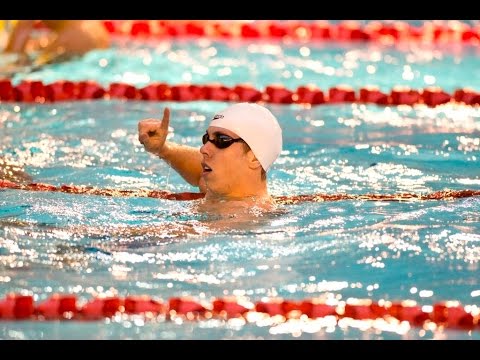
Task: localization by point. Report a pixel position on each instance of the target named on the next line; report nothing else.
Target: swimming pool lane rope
(284, 199)
(446, 314)
(35, 91)
(305, 31)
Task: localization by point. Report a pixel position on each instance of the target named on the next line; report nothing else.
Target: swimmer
(64, 39)
(239, 146)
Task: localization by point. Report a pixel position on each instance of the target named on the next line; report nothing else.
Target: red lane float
(36, 91)
(467, 96)
(434, 31)
(372, 94)
(286, 200)
(446, 314)
(309, 94)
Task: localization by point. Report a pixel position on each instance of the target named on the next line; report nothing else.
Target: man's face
(225, 171)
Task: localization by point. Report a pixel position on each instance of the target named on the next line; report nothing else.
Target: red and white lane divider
(89, 190)
(430, 32)
(36, 91)
(291, 199)
(448, 314)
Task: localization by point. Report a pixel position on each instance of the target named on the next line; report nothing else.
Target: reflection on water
(88, 245)
(13, 172)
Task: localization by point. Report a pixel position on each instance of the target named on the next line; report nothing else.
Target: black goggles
(220, 140)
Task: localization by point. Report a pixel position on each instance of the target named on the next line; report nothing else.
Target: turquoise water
(262, 63)
(424, 250)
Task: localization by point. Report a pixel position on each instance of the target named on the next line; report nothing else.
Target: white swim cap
(257, 126)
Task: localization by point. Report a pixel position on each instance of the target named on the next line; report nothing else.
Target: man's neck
(243, 193)
(258, 193)
(210, 196)
(227, 203)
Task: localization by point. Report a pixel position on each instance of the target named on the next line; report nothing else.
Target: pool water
(421, 250)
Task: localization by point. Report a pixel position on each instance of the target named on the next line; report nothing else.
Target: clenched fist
(152, 133)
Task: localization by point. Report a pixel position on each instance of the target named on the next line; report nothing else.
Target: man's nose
(206, 149)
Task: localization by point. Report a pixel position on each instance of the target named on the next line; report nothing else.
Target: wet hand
(152, 133)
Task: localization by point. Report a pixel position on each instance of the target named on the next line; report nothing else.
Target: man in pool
(63, 40)
(239, 146)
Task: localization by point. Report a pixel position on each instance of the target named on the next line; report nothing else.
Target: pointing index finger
(166, 119)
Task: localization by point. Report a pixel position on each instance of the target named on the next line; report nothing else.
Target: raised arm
(186, 160)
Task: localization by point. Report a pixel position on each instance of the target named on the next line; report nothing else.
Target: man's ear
(253, 162)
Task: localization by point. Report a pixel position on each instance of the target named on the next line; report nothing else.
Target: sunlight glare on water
(345, 251)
